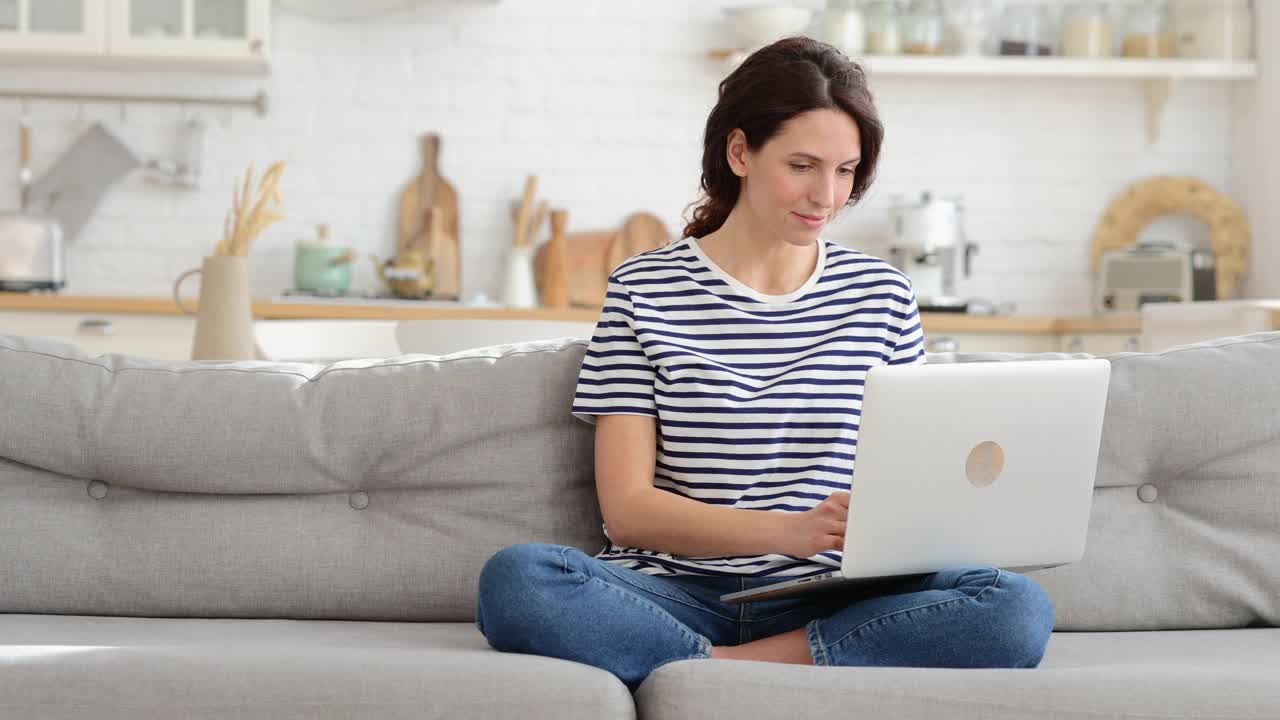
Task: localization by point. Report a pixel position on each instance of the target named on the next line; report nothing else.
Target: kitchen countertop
(389, 309)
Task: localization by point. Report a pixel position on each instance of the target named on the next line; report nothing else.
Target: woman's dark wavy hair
(774, 84)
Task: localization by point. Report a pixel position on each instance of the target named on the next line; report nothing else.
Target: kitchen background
(605, 102)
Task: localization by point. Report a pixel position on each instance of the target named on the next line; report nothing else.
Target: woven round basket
(1147, 200)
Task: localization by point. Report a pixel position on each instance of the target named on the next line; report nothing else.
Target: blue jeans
(558, 601)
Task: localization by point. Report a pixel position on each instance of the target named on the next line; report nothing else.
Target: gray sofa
(270, 540)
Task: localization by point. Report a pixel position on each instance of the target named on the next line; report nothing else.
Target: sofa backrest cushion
(1185, 527)
(362, 489)
(377, 489)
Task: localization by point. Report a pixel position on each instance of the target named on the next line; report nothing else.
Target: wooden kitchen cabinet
(168, 337)
(1095, 343)
(1099, 343)
(972, 342)
(155, 327)
(160, 337)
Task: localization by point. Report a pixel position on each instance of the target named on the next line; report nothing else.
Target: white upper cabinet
(165, 34)
(68, 27)
(235, 30)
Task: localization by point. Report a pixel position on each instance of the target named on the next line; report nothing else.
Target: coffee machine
(928, 244)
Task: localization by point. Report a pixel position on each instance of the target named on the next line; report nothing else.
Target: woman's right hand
(819, 529)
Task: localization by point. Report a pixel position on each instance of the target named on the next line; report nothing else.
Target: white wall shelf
(1157, 75)
(1042, 67)
(1051, 67)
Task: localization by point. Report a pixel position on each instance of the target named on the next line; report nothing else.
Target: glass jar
(967, 26)
(1087, 31)
(922, 28)
(1213, 29)
(843, 26)
(1025, 29)
(1146, 31)
(883, 28)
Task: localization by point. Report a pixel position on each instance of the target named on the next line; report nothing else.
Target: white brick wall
(606, 103)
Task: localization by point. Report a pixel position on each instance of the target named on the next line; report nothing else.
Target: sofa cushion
(369, 490)
(1185, 527)
(1084, 676)
(377, 489)
(100, 668)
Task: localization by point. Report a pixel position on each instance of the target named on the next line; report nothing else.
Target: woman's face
(803, 175)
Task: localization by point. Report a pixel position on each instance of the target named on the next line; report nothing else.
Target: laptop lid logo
(985, 463)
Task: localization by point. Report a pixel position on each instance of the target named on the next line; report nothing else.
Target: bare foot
(789, 647)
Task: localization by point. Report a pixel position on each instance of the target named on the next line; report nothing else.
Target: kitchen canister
(842, 25)
(1213, 29)
(1087, 31)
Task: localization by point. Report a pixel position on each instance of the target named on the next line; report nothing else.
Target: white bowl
(760, 25)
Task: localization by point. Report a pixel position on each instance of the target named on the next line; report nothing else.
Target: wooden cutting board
(429, 190)
(640, 233)
(442, 249)
(591, 256)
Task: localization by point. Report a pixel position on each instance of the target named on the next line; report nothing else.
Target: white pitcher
(519, 287)
(224, 318)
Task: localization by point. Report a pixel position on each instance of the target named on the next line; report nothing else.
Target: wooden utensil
(539, 216)
(523, 215)
(24, 163)
(555, 282)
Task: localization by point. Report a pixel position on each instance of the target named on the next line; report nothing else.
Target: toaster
(31, 253)
(1130, 278)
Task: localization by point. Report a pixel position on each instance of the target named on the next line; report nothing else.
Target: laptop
(981, 463)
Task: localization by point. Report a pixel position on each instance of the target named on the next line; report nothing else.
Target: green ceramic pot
(322, 267)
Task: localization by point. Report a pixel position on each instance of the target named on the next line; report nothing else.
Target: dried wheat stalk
(249, 216)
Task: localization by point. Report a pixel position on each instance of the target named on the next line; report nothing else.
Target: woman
(724, 379)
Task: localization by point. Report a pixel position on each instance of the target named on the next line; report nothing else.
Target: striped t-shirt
(757, 397)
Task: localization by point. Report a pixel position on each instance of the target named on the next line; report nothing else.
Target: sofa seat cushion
(1084, 676)
(55, 666)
